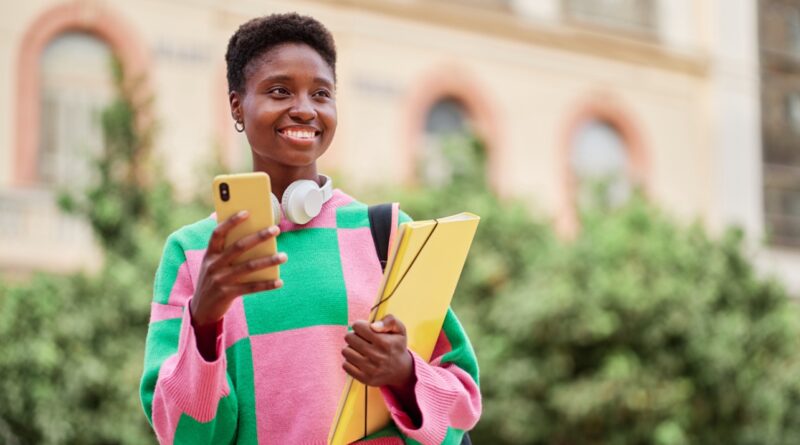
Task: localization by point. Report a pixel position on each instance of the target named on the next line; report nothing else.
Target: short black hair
(257, 36)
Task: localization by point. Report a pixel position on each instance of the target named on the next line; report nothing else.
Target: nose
(302, 109)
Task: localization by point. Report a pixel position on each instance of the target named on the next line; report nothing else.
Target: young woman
(266, 362)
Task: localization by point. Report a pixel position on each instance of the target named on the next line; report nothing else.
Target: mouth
(300, 134)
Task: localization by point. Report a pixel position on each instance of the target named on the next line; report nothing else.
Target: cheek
(260, 112)
(259, 127)
(331, 120)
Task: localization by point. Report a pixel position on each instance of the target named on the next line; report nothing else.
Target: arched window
(599, 160)
(76, 84)
(447, 128)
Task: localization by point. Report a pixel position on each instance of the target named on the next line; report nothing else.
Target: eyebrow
(286, 78)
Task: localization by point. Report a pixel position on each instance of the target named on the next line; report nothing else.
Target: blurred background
(636, 162)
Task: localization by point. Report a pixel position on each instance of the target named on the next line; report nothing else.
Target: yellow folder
(421, 275)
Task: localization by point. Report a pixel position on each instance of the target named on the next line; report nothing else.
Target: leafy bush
(641, 331)
(72, 358)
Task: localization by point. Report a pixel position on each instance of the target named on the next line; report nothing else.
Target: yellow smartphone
(251, 192)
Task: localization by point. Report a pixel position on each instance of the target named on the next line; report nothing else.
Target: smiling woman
(267, 361)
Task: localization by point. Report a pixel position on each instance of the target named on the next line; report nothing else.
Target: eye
(279, 91)
(323, 93)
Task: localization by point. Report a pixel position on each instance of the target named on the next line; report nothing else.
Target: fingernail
(282, 256)
(377, 325)
(278, 283)
(273, 230)
(242, 213)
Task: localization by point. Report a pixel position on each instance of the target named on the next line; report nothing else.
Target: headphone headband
(303, 200)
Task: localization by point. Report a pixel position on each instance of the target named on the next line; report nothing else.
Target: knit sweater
(278, 375)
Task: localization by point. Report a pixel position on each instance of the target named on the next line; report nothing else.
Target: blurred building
(666, 95)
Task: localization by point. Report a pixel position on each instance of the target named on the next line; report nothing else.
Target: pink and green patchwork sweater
(278, 376)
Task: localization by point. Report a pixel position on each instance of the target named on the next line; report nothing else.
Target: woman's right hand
(218, 283)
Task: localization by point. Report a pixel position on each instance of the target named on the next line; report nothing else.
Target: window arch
(448, 98)
(73, 17)
(77, 84)
(446, 123)
(599, 159)
(447, 116)
(602, 153)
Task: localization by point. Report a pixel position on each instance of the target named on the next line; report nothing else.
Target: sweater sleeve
(446, 391)
(185, 398)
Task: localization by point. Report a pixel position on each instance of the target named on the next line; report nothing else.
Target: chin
(293, 162)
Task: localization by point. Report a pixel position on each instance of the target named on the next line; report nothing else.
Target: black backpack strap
(380, 224)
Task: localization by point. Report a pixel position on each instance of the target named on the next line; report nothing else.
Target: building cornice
(503, 24)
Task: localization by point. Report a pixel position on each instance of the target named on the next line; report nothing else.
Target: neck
(282, 176)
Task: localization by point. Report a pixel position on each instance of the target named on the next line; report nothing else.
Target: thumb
(389, 324)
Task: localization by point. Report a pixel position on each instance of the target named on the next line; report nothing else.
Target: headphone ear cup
(276, 209)
(302, 201)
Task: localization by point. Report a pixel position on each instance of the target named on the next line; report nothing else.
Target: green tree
(644, 332)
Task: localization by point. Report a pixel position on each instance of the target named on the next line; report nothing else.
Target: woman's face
(288, 108)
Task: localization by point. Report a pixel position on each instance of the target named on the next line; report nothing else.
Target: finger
(355, 372)
(360, 345)
(232, 273)
(249, 288)
(247, 242)
(217, 242)
(389, 324)
(364, 331)
(354, 357)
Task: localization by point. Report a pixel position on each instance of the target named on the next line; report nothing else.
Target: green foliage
(642, 332)
(72, 358)
(639, 331)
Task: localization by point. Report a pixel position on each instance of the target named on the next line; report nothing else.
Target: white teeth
(300, 134)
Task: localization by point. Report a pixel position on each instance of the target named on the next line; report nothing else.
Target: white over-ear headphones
(302, 200)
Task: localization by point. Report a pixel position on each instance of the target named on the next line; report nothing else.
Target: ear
(236, 105)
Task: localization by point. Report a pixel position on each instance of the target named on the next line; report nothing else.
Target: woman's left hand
(378, 355)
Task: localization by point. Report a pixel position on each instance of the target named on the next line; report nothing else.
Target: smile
(299, 134)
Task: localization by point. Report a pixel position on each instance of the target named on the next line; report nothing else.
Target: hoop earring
(239, 126)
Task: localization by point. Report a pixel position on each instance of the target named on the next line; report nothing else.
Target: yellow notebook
(421, 275)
